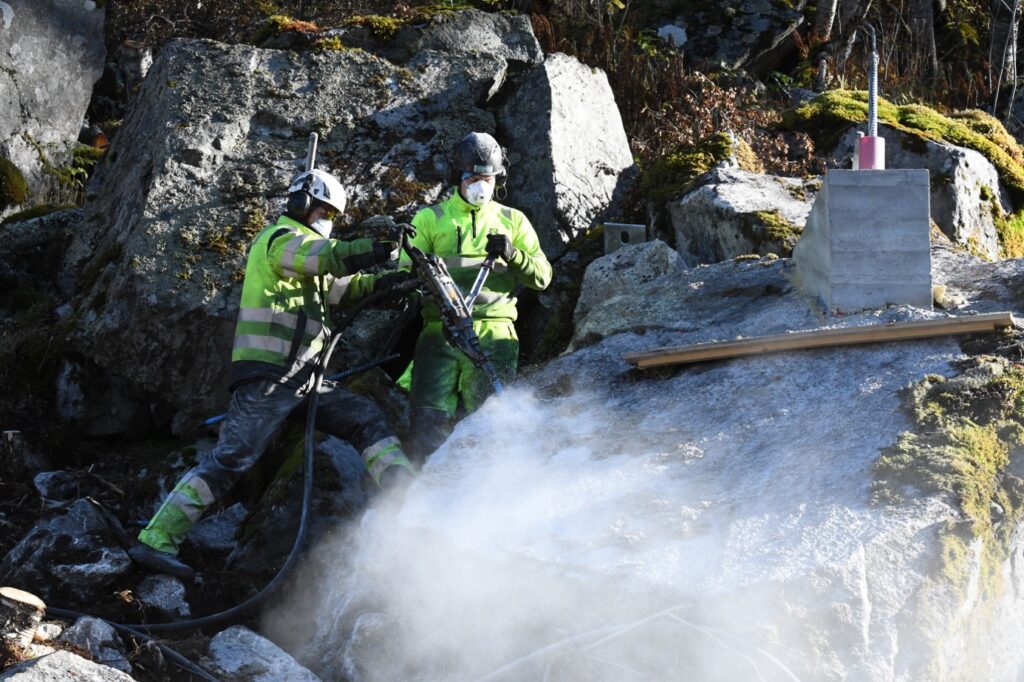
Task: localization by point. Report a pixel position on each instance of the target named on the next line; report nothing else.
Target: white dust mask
(323, 227)
(479, 193)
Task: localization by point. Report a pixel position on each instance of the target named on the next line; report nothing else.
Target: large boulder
(736, 212)
(74, 556)
(567, 148)
(51, 54)
(730, 520)
(966, 195)
(198, 168)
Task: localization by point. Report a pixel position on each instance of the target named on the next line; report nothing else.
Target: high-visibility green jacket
(457, 231)
(290, 271)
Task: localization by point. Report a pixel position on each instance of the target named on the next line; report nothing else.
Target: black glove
(501, 246)
(383, 251)
(390, 280)
(399, 230)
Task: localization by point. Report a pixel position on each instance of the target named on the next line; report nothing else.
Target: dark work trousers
(259, 407)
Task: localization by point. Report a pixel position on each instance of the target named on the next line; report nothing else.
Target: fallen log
(820, 338)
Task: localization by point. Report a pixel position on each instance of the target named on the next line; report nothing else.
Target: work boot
(397, 477)
(161, 562)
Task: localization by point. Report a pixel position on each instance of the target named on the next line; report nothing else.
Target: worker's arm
(350, 288)
(529, 263)
(298, 254)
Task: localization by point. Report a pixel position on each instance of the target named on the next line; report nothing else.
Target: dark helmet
(478, 154)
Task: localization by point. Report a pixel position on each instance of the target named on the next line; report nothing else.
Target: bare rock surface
(51, 54)
(62, 665)
(635, 514)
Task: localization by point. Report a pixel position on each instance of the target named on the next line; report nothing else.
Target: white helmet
(318, 185)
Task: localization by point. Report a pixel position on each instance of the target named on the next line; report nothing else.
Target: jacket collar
(463, 206)
(285, 221)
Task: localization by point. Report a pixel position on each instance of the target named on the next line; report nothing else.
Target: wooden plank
(820, 338)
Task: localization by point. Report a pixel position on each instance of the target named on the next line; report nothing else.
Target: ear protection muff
(300, 202)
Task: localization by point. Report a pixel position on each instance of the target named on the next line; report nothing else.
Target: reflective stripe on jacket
(290, 270)
(457, 231)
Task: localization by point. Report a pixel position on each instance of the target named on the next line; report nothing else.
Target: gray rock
(29, 250)
(57, 488)
(475, 33)
(217, 533)
(567, 148)
(240, 655)
(737, 34)
(736, 212)
(965, 190)
(47, 632)
(623, 273)
(51, 54)
(101, 641)
(164, 593)
(76, 556)
(62, 665)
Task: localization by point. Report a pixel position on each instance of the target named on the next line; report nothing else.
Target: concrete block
(865, 243)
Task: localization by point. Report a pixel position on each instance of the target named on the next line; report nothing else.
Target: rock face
(72, 556)
(737, 498)
(965, 189)
(734, 34)
(567, 148)
(736, 212)
(239, 654)
(51, 54)
(198, 168)
(63, 665)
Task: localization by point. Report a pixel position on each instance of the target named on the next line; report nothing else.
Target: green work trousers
(445, 379)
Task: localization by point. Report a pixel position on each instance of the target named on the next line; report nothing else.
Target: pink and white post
(871, 147)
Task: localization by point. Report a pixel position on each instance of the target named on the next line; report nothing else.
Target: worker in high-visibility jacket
(464, 229)
(294, 273)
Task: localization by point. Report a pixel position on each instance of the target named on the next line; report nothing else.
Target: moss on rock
(674, 174)
(827, 117)
(13, 188)
(964, 431)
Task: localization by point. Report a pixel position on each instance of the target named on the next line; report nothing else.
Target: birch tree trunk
(1002, 53)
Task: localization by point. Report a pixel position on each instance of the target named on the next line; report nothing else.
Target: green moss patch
(382, 28)
(277, 24)
(964, 431)
(827, 117)
(13, 188)
(778, 229)
(674, 174)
